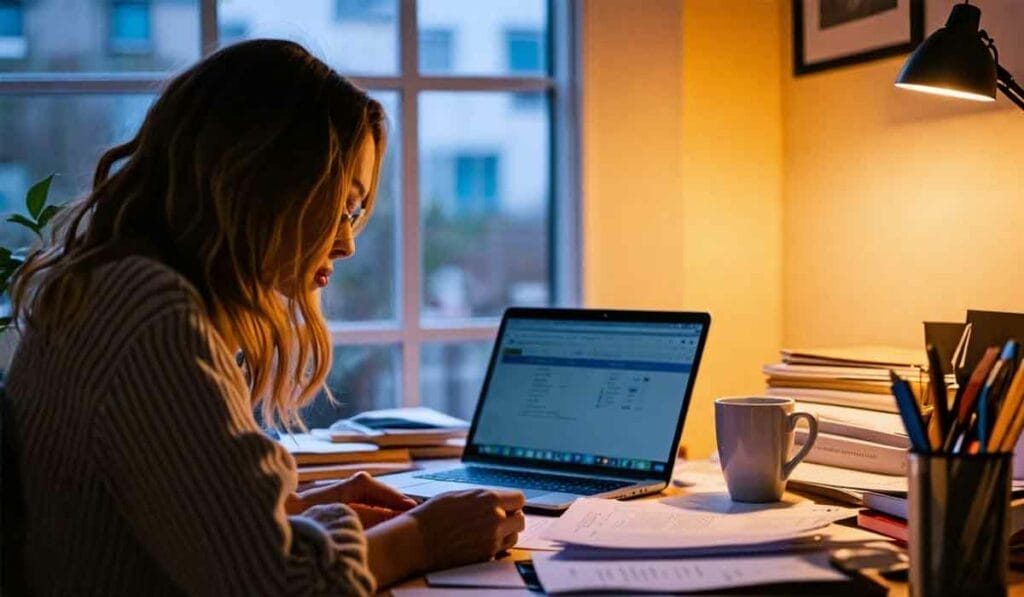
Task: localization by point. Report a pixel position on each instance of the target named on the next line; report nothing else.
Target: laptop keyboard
(476, 475)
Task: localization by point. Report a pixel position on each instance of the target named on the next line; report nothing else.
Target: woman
(142, 468)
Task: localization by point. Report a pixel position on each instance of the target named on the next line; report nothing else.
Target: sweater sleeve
(200, 485)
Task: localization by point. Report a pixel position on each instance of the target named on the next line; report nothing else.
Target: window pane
(353, 36)
(361, 378)
(485, 179)
(497, 37)
(62, 134)
(98, 35)
(364, 286)
(451, 374)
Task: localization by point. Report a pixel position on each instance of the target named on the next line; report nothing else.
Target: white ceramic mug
(755, 436)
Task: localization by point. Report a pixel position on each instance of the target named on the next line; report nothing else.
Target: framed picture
(832, 33)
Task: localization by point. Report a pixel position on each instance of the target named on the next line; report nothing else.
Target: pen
(1008, 412)
(967, 398)
(991, 397)
(907, 406)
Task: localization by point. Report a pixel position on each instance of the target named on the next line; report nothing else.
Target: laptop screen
(602, 394)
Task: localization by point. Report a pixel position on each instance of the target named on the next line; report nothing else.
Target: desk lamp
(960, 61)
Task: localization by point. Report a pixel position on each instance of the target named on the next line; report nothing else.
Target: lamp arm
(1010, 88)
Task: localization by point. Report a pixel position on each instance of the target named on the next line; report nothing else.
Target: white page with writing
(659, 525)
(532, 536)
(695, 574)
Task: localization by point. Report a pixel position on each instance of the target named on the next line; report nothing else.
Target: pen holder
(959, 537)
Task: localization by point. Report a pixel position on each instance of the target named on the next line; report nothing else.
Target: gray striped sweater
(142, 468)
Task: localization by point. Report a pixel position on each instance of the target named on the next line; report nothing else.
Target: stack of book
(859, 427)
(378, 442)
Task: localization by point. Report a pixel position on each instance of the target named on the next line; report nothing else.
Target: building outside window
(129, 26)
(435, 50)
(473, 187)
(12, 30)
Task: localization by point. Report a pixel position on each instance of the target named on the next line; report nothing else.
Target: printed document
(697, 574)
(664, 525)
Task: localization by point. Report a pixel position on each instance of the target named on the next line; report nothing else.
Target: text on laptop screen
(588, 392)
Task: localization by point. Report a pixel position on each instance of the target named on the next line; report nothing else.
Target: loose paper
(662, 525)
(531, 537)
(497, 574)
(698, 574)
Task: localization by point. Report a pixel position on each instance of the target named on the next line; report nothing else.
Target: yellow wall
(682, 163)
(900, 207)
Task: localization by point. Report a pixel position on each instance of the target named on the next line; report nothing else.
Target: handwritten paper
(698, 574)
(661, 525)
(531, 537)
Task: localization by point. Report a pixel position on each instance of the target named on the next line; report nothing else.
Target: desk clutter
(378, 442)
(700, 540)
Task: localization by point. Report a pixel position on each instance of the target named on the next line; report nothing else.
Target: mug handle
(812, 435)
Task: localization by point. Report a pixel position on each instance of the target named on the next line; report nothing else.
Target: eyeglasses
(353, 216)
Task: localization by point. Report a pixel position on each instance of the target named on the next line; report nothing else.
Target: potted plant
(38, 217)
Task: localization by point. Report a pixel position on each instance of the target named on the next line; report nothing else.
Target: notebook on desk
(577, 403)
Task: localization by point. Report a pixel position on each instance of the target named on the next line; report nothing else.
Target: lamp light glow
(961, 61)
(976, 97)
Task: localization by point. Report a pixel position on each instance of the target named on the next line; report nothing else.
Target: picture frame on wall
(833, 33)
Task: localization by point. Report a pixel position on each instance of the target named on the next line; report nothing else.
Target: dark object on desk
(991, 328)
(944, 336)
(959, 523)
(960, 61)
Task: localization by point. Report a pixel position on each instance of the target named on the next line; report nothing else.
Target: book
(451, 449)
(868, 425)
(856, 454)
(879, 402)
(887, 357)
(318, 472)
(308, 449)
(884, 524)
(887, 514)
(401, 427)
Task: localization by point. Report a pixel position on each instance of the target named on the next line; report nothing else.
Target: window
(476, 203)
(476, 184)
(129, 26)
(366, 10)
(525, 51)
(435, 50)
(12, 30)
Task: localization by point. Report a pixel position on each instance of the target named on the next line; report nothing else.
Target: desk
(418, 587)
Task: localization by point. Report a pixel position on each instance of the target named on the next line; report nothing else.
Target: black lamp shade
(953, 61)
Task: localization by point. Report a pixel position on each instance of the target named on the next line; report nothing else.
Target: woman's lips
(322, 277)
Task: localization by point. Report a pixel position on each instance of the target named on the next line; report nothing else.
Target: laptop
(577, 402)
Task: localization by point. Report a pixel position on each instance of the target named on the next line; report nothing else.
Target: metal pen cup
(959, 515)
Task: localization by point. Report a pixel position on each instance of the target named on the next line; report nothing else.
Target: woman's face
(344, 245)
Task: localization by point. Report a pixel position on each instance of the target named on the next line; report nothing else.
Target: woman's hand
(449, 530)
(372, 500)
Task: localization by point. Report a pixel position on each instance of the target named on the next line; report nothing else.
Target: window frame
(408, 331)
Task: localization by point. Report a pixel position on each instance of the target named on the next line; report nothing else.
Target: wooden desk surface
(417, 587)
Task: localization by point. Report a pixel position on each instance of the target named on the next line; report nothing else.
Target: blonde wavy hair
(237, 179)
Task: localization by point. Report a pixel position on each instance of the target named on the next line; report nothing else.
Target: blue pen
(907, 405)
(994, 383)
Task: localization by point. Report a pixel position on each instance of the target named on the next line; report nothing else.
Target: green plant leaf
(36, 197)
(47, 214)
(23, 221)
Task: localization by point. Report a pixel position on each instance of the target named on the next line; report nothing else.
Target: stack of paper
(426, 432)
(673, 526)
(319, 459)
(849, 390)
